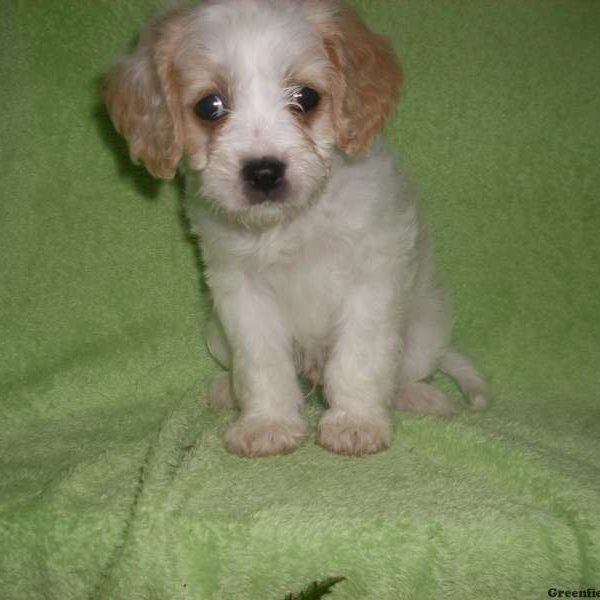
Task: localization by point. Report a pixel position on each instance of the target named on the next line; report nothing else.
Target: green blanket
(114, 483)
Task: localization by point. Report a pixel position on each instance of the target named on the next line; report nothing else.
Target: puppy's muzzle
(264, 179)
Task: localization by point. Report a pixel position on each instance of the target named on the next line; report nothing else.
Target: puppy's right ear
(142, 98)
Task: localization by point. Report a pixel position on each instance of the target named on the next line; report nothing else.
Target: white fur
(338, 280)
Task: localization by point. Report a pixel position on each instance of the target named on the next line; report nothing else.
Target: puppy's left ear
(367, 76)
(142, 100)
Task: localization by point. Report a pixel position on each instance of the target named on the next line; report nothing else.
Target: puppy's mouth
(256, 197)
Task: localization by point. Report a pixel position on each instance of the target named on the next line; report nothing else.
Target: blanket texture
(114, 482)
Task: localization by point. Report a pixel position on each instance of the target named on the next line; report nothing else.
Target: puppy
(311, 239)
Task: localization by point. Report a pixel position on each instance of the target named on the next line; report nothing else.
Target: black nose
(264, 174)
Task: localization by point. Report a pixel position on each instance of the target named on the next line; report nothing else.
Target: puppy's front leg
(361, 375)
(264, 376)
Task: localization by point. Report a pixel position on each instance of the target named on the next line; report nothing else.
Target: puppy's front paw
(255, 436)
(347, 433)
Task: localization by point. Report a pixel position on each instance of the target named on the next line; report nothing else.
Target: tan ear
(141, 96)
(367, 79)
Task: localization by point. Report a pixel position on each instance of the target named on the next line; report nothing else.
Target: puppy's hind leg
(425, 399)
(471, 382)
(220, 394)
(217, 344)
(425, 342)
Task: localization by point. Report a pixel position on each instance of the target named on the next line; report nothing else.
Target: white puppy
(313, 248)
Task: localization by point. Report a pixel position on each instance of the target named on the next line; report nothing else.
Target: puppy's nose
(264, 174)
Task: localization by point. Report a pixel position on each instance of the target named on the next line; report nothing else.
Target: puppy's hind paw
(424, 399)
(479, 401)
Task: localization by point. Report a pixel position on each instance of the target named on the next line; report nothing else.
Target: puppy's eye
(305, 99)
(210, 108)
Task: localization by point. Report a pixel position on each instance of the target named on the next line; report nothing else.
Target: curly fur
(335, 279)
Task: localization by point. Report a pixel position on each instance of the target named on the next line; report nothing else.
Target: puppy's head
(255, 95)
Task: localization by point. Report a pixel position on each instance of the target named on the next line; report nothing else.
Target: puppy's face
(255, 84)
(255, 94)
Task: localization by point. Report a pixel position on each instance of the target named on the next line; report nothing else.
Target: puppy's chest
(310, 283)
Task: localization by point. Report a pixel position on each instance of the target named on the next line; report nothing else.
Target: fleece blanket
(114, 482)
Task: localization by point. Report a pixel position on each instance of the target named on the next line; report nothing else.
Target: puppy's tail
(472, 383)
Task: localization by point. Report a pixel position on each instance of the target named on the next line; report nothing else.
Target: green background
(113, 480)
